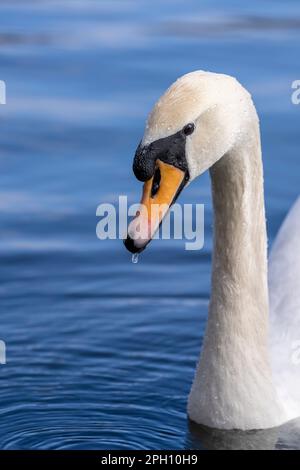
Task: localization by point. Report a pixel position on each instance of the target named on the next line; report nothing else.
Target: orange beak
(159, 192)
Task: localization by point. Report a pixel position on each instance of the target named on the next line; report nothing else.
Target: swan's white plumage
(217, 104)
(235, 385)
(284, 291)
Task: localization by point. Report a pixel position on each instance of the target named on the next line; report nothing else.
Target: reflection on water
(100, 352)
(215, 439)
(218, 25)
(15, 39)
(202, 437)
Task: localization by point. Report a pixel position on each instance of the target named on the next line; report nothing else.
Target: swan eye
(189, 128)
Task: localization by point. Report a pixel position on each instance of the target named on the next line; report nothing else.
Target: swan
(247, 376)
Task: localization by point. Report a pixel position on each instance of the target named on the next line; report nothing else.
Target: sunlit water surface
(100, 351)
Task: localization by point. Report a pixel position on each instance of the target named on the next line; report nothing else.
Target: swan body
(212, 120)
(284, 291)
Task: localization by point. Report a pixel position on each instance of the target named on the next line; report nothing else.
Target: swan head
(198, 120)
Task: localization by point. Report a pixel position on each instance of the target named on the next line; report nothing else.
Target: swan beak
(159, 193)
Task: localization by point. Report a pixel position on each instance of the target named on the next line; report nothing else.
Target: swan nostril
(156, 182)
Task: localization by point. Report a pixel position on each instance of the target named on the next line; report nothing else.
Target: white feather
(237, 384)
(284, 289)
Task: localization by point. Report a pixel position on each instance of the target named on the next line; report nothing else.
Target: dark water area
(101, 352)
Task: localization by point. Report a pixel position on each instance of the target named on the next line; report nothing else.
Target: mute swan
(208, 121)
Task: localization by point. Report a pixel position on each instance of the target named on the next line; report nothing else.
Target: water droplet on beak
(135, 258)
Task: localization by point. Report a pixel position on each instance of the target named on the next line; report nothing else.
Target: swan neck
(239, 268)
(233, 386)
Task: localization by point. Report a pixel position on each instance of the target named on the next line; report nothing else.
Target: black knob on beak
(130, 245)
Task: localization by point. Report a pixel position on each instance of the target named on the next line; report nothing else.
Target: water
(101, 353)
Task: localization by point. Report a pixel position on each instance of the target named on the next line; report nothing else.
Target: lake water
(101, 352)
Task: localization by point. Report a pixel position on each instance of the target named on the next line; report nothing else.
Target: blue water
(101, 352)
